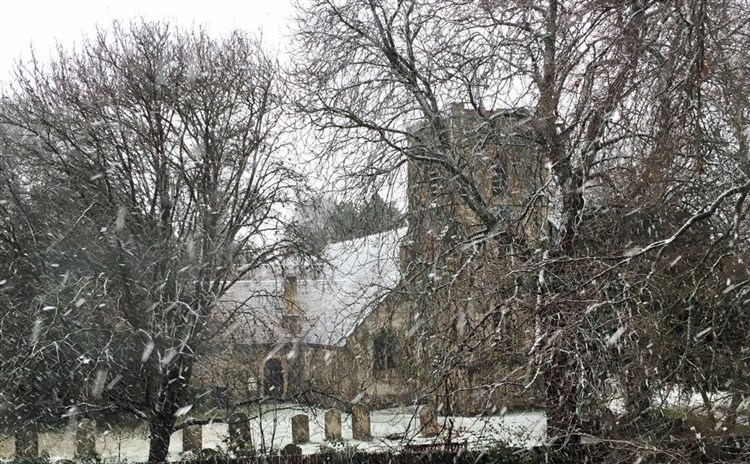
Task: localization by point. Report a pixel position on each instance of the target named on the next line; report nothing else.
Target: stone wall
(241, 370)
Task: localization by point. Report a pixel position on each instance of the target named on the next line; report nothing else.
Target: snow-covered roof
(357, 275)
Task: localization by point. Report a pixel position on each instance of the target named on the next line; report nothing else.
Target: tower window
(499, 171)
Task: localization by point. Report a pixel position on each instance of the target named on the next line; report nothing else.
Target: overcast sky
(43, 22)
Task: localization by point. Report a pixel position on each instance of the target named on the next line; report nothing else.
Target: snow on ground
(686, 400)
(693, 401)
(274, 431)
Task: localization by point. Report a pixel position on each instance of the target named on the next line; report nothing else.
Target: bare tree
(619, 101)
(165, 147)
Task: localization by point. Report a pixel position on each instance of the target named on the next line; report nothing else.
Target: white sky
(45, 22)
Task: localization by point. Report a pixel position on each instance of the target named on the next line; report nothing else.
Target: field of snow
(686, 400)
(274, 430)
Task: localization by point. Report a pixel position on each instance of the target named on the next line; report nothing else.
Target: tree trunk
(161, 428)
(169, 396)
(637, 395)
(561, 400)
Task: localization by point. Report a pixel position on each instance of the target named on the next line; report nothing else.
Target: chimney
(291, 315)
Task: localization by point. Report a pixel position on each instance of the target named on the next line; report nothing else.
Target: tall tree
(328, 221)
(617, 99)
(165, 148)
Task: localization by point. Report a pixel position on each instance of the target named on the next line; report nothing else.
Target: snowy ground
(518, 429)
(274, 430)
(687, 400)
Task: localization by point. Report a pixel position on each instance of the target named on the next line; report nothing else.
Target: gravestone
(86, 440)
(300, 429)
(192, 438)
(240, 439)
(27, 444)
(428, 421)
(291, 450)
(361, 423)
(333, 424)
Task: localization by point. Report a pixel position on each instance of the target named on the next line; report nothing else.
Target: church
(402, 317)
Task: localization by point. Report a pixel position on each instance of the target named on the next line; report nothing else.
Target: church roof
(356, 275)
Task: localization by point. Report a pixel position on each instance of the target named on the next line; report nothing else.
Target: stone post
(333, 424)
(27, 444)
(85, 440)
(192, 438)
(291, 450)
(240, 439)
(428, 421)
(361, 423)
(300, 429)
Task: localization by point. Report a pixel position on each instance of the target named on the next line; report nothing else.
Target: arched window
(385, 352)
(274, 377)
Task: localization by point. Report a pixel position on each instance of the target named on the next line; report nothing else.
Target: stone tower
(458, 275)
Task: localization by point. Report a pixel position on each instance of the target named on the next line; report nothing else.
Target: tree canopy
(160, 150)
